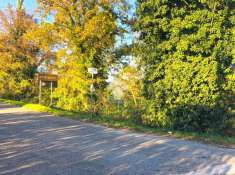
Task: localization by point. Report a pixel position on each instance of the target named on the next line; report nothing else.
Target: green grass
(13, 102)
(109, 121)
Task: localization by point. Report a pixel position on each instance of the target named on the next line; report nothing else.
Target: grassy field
(109, 121)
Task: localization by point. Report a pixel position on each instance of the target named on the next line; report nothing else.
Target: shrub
(186, 52)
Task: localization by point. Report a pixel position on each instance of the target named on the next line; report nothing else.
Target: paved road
(39, 144)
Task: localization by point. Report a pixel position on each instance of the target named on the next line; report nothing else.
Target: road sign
(42, 79)
(92, 70)
(47, 77)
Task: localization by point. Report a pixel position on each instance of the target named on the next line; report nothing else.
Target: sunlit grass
(109, 121)
(41, 108)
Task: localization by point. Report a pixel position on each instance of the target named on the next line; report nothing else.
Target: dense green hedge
(186, 51)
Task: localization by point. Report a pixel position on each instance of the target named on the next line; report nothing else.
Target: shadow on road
(4, 106)
(34, 143)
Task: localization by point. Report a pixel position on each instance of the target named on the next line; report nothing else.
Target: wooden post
(40, 91)
(51, 102)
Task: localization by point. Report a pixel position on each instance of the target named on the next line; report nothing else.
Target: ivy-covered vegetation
(187, 51)
(176, 71)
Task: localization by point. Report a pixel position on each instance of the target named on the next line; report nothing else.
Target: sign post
(43, 79)
(51, 100)
(93, 71)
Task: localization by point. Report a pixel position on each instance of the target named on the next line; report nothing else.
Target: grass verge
(109, 121)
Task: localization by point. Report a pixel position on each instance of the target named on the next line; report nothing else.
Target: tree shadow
(198, 118)
(4, 106)
(36, 143)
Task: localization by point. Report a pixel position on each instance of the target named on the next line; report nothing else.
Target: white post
(92, 71)
(92, 105)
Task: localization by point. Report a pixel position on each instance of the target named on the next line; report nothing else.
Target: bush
(197, 117)
(186, 51)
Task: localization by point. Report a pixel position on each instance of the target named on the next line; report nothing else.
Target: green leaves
(188, 72)
(85, 33)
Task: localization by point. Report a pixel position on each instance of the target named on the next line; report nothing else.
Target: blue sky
(30, 5)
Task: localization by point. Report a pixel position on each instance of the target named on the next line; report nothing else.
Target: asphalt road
(39, 144)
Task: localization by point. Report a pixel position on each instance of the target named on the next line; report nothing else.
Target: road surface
(34, 143)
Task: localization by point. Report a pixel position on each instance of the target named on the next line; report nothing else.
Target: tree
(186, 51)
(128, 81)
(20, 4)
(125, 93)
(85, 31)
(20, 56)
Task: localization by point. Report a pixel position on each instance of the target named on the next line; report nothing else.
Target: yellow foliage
(82, 31)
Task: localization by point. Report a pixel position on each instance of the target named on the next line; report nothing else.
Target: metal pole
(51, 93)
(92, 75)
(92, 71)
(40, 91)
(118, 106)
